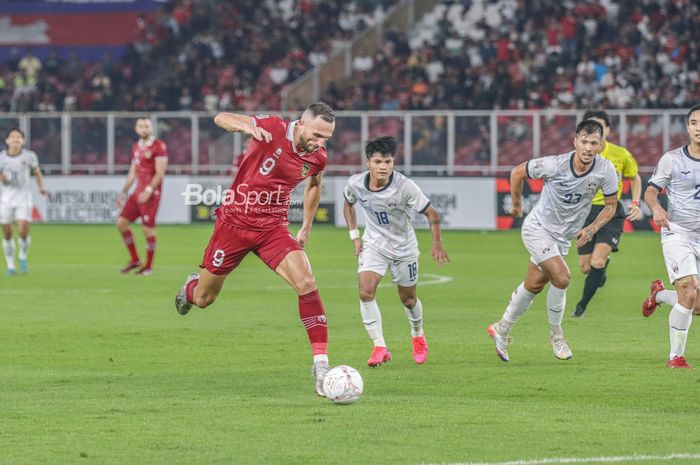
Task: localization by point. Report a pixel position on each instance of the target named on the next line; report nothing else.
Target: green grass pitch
(98, 368)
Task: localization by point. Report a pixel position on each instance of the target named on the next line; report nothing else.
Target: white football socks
(556, 302)
(8, 248)
(24, 247)
(415, 317)
(667, 296)
(678, 324)
(373, 322)
(520, 301)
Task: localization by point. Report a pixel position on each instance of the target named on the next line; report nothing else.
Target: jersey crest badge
(305, 169)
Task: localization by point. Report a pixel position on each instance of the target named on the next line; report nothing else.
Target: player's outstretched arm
(517, 176)
(651, 197)
(635, 212)
(40, 181)
(605, 215)
(233, 122)
(351, 221)
(437, 252)
(312, 198)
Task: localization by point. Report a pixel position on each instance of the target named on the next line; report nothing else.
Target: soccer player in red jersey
(253, 216)
(148, 164)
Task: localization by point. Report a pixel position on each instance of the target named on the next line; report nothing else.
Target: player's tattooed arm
(606, 214)
(233, 122)
(312, 198)
(437, 252)
(517, 176)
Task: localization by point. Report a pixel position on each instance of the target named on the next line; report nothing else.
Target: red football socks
(150, 250)
(314, 319)
(189, 290)
(129, 243)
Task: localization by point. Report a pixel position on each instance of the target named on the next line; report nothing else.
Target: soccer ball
(343, 385)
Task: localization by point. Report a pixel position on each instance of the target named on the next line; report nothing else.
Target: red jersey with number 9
(268, 174)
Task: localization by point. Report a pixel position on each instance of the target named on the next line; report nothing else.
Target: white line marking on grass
(610, 459)
(431, 280)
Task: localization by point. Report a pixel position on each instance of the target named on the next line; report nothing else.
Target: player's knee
(533, 288)
(122, 224)
(408, 300)
(366, 295)
(561, 280)
(598, 262)
(585, 268)
(687, 292)
(305, 284)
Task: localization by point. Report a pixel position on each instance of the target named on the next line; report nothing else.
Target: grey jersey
(389, 213)
(679, 174)
(566, 197)
(16, 191)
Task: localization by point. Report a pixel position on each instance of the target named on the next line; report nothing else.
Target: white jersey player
(389, 200)
(678, 171)
(570, 182)
(16, 166)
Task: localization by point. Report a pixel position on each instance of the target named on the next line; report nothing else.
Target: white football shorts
(541, 245)
(10, 213)
(403, 271)
(681, 254)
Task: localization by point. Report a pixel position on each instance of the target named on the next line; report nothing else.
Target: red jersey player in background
(253, 216)
(148, 164)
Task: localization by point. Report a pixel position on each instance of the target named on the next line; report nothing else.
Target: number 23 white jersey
(388, 212)
(566, 197)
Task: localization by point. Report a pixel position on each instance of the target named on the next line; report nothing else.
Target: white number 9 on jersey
(267, 166)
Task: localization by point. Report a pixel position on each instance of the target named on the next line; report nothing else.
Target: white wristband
(149, 189)
(354, 234)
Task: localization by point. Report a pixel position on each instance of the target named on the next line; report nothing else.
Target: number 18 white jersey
(566, 197)
(389, 213)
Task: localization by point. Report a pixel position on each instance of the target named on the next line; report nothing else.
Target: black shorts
(608, 234)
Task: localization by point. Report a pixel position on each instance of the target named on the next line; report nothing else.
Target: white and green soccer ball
(343, 385)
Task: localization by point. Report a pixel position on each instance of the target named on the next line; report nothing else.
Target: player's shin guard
(8, 249)
(556, 302)
(679, 321)
(415, 317)
(24, 244)
(372, 319)
(314, 319)
(520, 301)
(129, 243)
(150, 250)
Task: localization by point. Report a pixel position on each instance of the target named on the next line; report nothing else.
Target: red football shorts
(229, 245)
(147, 211)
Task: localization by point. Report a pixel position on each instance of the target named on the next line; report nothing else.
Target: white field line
(608, 459)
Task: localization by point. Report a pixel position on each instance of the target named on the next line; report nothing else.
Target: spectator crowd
(466, 54)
